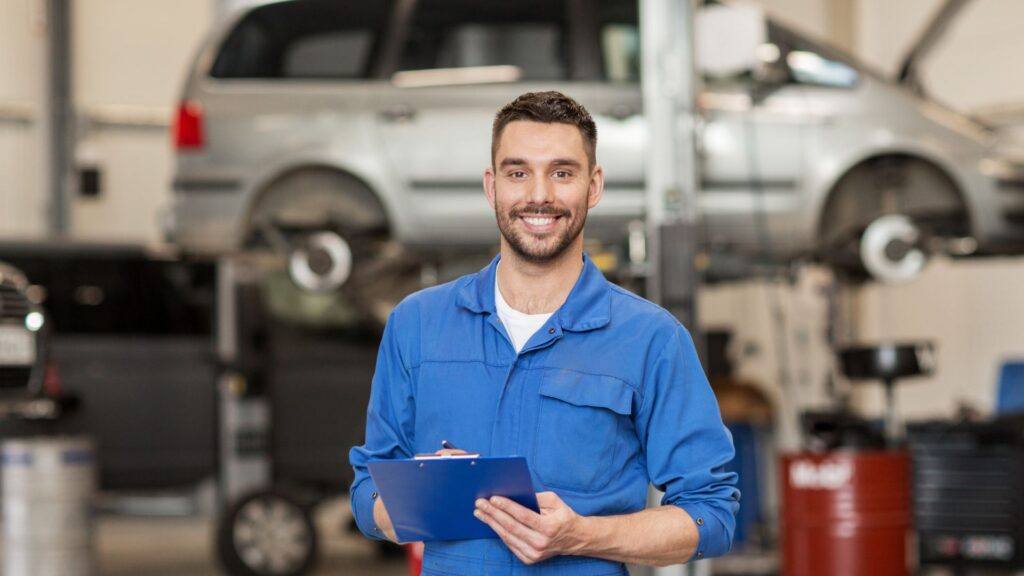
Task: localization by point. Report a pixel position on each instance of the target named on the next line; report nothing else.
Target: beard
(541, 249)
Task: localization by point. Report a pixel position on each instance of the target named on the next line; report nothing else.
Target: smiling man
(538, 355)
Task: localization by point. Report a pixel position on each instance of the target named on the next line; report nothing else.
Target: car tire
(887, 189)
(267, 533)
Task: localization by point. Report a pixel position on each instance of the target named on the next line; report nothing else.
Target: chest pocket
(581, 421)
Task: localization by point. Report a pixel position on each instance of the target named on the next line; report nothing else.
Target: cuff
(362, 499)
(714, 536)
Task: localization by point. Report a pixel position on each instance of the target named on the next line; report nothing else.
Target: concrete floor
(176, 546)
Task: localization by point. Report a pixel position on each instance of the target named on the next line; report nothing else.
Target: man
(538, 355)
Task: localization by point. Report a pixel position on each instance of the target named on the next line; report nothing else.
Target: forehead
(540, 141)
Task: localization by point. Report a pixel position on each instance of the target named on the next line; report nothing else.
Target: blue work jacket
(607, 397)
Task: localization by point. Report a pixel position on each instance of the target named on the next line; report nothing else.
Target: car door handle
(400, 113)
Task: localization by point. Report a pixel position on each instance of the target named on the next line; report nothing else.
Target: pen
(446, 445)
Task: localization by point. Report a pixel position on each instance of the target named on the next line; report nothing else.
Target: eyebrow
(565, 162)
(556, 162)
(512, 162)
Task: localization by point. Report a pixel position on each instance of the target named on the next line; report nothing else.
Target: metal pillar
(244, 412)
(59, 123)
(669, 89)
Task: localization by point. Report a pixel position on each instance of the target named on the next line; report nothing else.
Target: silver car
(352, 133)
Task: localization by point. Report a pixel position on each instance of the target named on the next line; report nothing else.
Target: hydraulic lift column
(244, 409)
(668, 76)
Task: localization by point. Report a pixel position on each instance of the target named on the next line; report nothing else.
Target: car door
(750, 150)
(457, 63)
(761, 138)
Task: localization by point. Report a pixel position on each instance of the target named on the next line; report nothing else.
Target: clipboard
(433, 499)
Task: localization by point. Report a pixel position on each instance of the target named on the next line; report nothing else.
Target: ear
(596, 190)
(489, 185)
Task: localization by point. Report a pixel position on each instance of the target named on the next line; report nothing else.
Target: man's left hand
(533, 537)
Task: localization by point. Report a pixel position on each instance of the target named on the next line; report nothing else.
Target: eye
(563, 174)
(517, 174)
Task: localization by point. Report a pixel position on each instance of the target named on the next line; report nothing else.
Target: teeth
(539, 221)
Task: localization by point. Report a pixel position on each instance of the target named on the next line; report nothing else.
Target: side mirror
(727, 39)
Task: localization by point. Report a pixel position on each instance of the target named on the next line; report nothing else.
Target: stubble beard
(546, 252)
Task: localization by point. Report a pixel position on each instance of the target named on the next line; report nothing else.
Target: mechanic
(539, 355)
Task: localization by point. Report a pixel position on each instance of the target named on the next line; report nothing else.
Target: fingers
(513, 526)
(522, 550)
(450, 452)
(517, 511)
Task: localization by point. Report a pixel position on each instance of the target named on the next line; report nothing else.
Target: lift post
(244, 410)
(669, 96)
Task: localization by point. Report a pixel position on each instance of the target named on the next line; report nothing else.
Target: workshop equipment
(845, 513)
(846, 508)
(48, 486)
(968, 491)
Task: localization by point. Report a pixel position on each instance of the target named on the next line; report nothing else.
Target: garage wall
(779, 340)
(974, 313)
(130, 62)
(23, 196)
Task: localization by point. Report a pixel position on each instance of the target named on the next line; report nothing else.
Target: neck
(538, 288)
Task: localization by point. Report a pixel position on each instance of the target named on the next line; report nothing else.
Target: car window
(336, 54)
(801, 61)
(306, 39)
(528, 34)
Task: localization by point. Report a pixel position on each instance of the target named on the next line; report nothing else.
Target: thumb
(548, 500)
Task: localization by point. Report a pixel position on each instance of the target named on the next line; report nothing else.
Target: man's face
(541, 187)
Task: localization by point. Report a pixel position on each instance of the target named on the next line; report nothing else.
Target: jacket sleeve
(687, 445)
(389, 419)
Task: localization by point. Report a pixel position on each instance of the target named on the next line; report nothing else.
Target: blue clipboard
(433, 499)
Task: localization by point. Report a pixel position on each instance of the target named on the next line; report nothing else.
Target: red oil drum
(414, 557)
(845, 513)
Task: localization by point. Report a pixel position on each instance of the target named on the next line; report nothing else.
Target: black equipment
(968, 486)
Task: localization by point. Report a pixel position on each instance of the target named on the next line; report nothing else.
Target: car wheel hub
(889, 249)
(321, 263)
(270, 536)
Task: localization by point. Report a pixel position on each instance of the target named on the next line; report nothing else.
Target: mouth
(539, 224)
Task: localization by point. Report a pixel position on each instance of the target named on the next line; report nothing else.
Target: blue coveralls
(606, 397)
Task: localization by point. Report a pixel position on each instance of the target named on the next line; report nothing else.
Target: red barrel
(845, 513)
(414, 557)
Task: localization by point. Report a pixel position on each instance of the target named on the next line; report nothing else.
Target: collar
(587, 307)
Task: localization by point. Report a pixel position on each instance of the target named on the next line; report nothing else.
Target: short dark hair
(547, 107)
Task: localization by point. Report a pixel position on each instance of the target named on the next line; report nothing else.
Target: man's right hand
(383, 521)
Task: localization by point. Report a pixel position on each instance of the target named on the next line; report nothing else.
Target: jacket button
(373, 496)
(700, 555)
(700, 521)
(551, 330)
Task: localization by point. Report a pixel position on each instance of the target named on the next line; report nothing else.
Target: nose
(542, 192)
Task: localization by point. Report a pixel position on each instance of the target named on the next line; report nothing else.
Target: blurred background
(209, 207)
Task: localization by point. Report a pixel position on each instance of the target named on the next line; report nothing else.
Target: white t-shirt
(519, 326)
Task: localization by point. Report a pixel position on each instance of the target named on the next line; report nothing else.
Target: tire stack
(48, 486)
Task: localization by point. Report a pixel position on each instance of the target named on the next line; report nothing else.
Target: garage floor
(134, 546)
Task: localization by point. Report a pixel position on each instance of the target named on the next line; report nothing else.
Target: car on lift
(351, 134)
